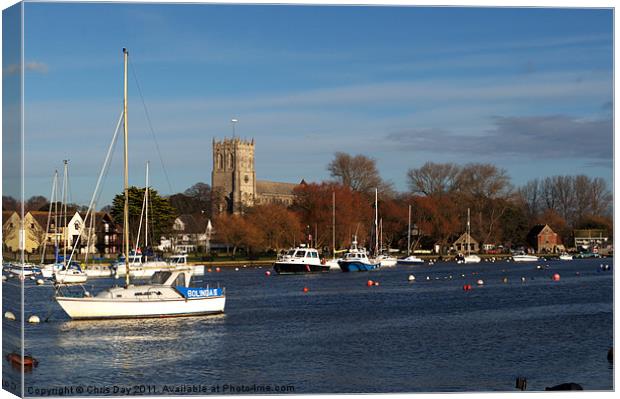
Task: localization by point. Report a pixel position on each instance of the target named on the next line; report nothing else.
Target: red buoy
(267, 273)
(369, 283)
(306, 289)
(217, 269)
(16, 359)
(556, 277)
(467, 287)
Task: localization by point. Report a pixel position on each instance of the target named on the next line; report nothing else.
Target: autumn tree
(433, 178)
(238, 231)
(279, 226)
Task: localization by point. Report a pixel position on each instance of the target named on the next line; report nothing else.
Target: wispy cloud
(531, 137)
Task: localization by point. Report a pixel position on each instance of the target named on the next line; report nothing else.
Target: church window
(220, 161)
(231, 160)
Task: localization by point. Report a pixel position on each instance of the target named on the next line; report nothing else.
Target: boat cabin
(171, 278)
(301, 253)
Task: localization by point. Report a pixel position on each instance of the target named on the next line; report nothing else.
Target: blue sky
(529, 90)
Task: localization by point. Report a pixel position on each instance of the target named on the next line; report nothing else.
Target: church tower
(233, 178)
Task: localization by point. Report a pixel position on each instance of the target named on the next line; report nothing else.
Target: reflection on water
(342, 336)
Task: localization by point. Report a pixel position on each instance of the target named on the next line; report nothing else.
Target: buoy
(9, 315)
(369, 283)
(428, 278)
(577, 274)
(556, 277)
(306, 289)
(34, 319)
(505, 280)
(86, 294)
(40, 282)
(523, 279)
(236, 269)
(411, 277)
(16, 360)
(217, 269)
(467, 287)
(209, 270)
(376, 283)
(480, 282)
(116, 276)
(267, 273)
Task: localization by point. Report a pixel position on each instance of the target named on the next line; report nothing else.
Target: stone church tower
(233, 178)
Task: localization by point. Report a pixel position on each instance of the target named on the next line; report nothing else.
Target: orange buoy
(369, 283)
(467, 287)
(17, 360)
(306, 289)
(210, 270)
(556, 277)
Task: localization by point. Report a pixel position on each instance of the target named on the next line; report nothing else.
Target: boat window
(291, 252)
(160, 277)
(300, 254)
(180, 280)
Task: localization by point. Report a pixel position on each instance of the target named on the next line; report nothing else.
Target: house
(191, 233)
(461, 244)
(543, 239)
(108, 234)
(34, 231)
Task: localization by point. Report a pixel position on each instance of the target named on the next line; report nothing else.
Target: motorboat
(22, 269)
(386, 260)
(300, 260)
(565, 256)
(410, 260)
(523, 257)
(471, 258)
(356, 260)
(168, 294)
(71, 273)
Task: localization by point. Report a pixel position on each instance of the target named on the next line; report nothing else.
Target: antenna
(234, 122)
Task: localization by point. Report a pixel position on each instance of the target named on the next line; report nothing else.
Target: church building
(233, 179)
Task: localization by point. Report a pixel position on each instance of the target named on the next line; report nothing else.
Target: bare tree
(358, 172)
(433, 178)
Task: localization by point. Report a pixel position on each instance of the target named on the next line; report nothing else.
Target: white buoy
(427, 278)
(9, 315)
(32, 277)
(480, 282)
(236, 269)
(34, 319)
(40, 282)
(86, 294)
(523, 279)
(411, 277)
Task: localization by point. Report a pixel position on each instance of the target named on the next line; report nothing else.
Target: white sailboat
(469, 258)
(410, 259)
(333, 262)
(167, 294)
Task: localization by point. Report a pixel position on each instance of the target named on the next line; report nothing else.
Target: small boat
(300, 260)
(23, 269)
(99, 271)
(71, 273)
(523, 257)
(48, 270)
(168, 294)
(144, 270)
(386, 260)
(356, 260)
(411, 260)
(460, 258)
(565, 256)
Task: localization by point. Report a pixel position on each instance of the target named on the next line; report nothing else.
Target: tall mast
(126, 171)
(146, 227)
(468, 230)
(376, 222)
(64, 211)
(409, 233)
(334, 224)
(55, 205)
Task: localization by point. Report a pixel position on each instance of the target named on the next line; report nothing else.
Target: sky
(527, 89)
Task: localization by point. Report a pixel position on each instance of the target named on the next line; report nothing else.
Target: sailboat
(70, 272)
(48, 270)
(333, 262)
(168, 293)
(384, 257)
(469, 258)
(410, 259)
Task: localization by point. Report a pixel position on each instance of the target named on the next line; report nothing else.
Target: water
(342, 336)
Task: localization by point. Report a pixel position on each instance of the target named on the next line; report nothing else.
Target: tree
(237, 231)
(433, 178)
(200, 191)
(278, 225)
(161, 213)
(36, 203)
(357, 172)
(9, 203)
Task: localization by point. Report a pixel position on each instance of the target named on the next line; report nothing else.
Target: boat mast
(376, 222)
(409, 234)
(334, 224)
(146, 227)
(64, 211)
(126, 171)
(468, 230)
(55, 205)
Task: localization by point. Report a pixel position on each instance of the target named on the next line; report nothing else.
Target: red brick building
(543, 239)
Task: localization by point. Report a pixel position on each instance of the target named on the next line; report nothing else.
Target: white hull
(333, 264)
(103, 272)
(525, 258)
(106, 308)
(388, 262)
(70, 278)
(410, 260)
(147, 271)
(566, 257)
(471, 259)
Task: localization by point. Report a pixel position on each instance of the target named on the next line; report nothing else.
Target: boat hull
(299, 268)
(524, 258)
(357, 266)
(104, 308)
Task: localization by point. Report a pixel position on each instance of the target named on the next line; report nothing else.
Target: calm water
(342, 336)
